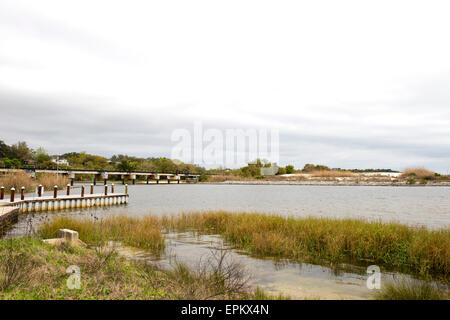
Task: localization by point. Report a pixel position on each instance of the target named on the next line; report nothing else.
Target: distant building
(60, 161)
(29, 162)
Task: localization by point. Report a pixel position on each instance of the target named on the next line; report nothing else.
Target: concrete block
(68, 235)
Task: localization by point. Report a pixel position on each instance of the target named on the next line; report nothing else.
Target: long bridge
(105, 174)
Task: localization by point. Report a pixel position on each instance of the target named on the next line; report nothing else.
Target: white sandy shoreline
(328, 183)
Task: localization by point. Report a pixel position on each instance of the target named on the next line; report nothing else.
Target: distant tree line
(21, 155)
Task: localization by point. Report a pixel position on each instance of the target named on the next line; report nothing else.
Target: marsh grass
(324, 241)
(141, 233)
(117, 278)
(411, 290)
(260, 294)
(14, 266)
(49, 180)
(17, 180)
(111, 276)
(328, 241)
(216, 276)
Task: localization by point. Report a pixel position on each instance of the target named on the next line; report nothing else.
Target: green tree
(84, 160)
(5, 150)
(127, 165)
(290, 169)
(311, 167)
(11, 163)
(41, 156)
(21, 151)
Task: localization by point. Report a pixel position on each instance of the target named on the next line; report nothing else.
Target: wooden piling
(11, 199)
(82, 191)
(55, 192)
(112, 188)
(2, 193)
(68, 190)
(22, 193)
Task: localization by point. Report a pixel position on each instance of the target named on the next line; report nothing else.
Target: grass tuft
(411, 290)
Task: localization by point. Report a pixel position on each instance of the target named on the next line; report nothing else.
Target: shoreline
(328, 183)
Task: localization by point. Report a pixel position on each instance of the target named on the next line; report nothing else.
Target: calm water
(297, 280)
(429, 206)
(412, 205)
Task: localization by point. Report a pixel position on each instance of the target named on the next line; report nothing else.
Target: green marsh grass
(411, 290)
(33, 270)
(396, 247)
(136, 232)
(414, 250)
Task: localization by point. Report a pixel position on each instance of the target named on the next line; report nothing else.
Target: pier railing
(62, 199)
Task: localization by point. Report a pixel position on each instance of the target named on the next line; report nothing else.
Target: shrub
(420, 173)
(311, 167)
(290, 169)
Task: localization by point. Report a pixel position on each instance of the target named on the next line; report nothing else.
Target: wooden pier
(62, 201)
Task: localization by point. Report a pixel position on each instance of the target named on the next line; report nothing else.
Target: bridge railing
(33, 168)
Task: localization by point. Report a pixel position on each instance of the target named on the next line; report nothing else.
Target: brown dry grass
(224, 177)
(332, 173)
(17, 180)
(419, 173)
(49, 180)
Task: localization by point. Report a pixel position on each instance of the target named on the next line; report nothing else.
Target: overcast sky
(348, 83)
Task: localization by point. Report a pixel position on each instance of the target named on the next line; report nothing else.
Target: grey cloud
(61, 32)
(63, 124)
